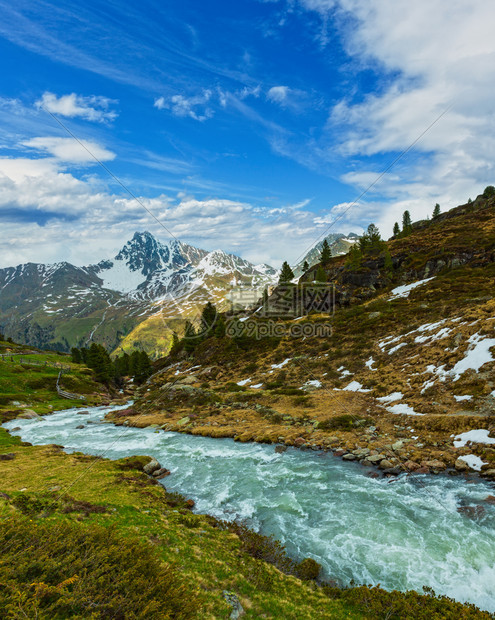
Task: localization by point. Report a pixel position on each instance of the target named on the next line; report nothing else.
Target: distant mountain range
(134, 300)
(128, 301)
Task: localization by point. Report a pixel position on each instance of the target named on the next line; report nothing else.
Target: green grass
(34, 386)
(208, 558)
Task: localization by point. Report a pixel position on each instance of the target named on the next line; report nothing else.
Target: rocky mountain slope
(130, 301)
(403, 377)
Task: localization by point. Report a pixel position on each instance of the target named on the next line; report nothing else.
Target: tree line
(137, 365)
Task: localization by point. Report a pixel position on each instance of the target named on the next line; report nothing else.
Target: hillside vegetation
(403, 369)
(28, 379)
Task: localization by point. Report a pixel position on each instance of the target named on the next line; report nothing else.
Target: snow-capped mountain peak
(146, 268)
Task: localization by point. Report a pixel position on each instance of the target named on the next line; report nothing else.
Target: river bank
(355, 430)
(403, 535)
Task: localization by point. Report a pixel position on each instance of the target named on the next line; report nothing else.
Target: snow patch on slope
(120, 278)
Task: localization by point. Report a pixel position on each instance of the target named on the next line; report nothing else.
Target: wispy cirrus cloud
(195, 107)
(91, 108)
(70, 150)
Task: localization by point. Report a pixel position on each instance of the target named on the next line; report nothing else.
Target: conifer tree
(305, 266)
(388, 265)
(76, 355)
(142, 368)
(396, 229)
(321, 275)
(406, 223)
(286, 274)
(175, 346)
(436, 211)
(190, 340)
(265, 297)
(326, 253)
(354, 257)
(220, 327)
(121, 364)
(99, 361)
(208, 318)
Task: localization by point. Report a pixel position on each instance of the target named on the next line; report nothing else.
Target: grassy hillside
(28, 380)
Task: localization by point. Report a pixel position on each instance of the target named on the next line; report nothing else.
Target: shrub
(344, 422)
(62, 570)
(303, 401)
(233, 387)
(378, 603)
(308, 569)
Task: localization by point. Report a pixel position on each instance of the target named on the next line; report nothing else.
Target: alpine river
(402, 533)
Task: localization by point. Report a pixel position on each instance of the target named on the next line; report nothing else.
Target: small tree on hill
(190, 340)
(326, 253)
(76, 355)
(176, 345)
(305, 266)
(286, 274)
(208, 318)
(220, 327)
(436, 211)
(354, 257)
(406, 223)
(388, 265)
(98, 360)
(321, 275)
(489, 191)
(371, 242)
(396, 229)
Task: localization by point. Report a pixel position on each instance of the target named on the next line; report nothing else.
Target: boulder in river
(161, 473)
(461, 465)
(299, 441)
(28, 414)
(375, 458)
(411, 466)
(386, 464)
(151, 467)
(472, 512)
(434, 464)
(349, 457)
(280, 449)
(80, 426)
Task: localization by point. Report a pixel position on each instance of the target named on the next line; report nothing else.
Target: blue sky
(250, 126)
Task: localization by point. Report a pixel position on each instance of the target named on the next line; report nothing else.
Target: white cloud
(92, 108)
(70, 150)
(432, 61)
(183, 106)
(278, 94)
(81, 221)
